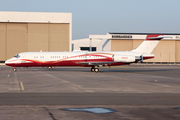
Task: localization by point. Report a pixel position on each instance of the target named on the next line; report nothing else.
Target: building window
(88, 48)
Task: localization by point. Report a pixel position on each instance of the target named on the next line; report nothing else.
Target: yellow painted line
(22, 87)
(8, 75)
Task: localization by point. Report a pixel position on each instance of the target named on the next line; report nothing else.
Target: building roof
(37, 17)
(146, 33)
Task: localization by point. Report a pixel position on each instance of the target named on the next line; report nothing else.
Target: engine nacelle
(124, 58)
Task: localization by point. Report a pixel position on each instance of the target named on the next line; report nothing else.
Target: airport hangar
(34, 31)
(166, 52)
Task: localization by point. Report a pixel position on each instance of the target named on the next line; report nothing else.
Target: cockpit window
(17, 56)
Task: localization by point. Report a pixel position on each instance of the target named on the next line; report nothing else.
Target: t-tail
(151, 41)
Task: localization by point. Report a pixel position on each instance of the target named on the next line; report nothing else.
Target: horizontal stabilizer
(158, 38)
(148, 45)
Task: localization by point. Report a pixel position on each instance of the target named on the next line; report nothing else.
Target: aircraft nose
(8, 62)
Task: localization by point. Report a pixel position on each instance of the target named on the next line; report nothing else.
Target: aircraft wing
(94, 63)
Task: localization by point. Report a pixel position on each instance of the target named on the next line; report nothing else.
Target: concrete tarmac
(134, 92)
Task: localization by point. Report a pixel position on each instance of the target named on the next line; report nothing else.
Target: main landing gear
(95, 69)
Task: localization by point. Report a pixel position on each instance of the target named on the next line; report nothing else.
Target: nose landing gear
(50, 68)
(14, 69)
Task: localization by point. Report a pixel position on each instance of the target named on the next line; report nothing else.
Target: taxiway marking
(22, 87)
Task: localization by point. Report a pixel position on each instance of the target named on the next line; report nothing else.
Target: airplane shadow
(129, 70)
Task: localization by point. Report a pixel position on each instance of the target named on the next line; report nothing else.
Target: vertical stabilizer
(148, 45)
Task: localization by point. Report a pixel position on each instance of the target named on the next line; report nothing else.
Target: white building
(97, 42)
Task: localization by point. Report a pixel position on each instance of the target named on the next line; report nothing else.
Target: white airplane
(87, 59)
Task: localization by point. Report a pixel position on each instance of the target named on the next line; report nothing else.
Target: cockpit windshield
(17, 56)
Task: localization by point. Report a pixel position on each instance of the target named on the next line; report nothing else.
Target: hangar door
(29, 37)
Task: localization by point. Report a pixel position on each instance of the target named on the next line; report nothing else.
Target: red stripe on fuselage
(64, 63)
(33, 63)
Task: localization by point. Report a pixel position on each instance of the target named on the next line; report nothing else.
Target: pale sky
(99, 17)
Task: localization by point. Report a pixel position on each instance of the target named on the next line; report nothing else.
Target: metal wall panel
(23, 37)
(121, 45)
(136, 43)
(177, 51)
(2, 41)
(38, 35)
(59, 37)
(16, 38)
(164, 52)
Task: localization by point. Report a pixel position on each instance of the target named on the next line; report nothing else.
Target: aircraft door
(86, 57)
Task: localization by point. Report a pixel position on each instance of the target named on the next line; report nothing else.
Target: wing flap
(94, 63)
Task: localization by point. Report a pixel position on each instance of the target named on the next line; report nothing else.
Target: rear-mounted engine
(123, 58)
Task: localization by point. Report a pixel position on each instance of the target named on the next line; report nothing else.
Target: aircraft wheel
(92, 70)
(50, 68)
(96, 70)
(15, 70)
